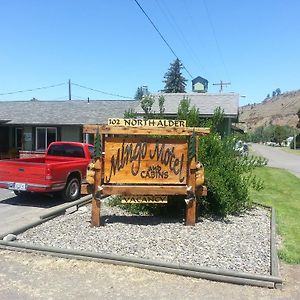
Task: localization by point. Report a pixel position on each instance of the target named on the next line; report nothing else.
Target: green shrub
(228, 176)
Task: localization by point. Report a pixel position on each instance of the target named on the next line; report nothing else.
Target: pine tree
(97, 145)
(174, 81)
(139, 93)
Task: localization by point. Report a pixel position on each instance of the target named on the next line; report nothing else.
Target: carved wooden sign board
(144, 161)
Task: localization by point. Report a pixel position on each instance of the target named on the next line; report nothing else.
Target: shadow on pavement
(34, 200)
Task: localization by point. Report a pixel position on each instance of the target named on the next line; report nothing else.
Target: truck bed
(61, 169)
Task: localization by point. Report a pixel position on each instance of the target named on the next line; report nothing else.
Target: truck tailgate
(12, 172)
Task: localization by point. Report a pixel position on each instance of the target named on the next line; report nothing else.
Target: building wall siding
(71, 134)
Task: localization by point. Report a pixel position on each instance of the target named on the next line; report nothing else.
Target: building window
(45, 136)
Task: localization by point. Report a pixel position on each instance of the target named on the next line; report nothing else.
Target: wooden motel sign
(144, 161)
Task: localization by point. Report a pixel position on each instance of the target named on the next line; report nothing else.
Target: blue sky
(112, 47)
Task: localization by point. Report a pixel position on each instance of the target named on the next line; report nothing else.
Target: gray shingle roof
(75, 112)
(206, 102)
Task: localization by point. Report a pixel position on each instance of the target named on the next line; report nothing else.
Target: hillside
(278, 110)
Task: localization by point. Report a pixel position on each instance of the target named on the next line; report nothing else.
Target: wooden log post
(191, 205)
(191, 212)
(96, 203)
(191, 201)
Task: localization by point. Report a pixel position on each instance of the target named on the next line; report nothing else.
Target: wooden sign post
(97, 182)
(140, 167)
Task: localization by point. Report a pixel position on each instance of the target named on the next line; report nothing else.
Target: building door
(4, 139)
(19, 138)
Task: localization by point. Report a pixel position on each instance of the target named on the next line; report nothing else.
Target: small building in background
(28, 127)
(199, 85)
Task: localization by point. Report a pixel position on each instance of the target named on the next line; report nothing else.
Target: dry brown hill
(278, 110)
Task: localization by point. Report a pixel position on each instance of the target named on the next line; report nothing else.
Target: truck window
(66, 150)
(91, 150)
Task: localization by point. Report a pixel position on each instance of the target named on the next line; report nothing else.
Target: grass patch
(282, 191)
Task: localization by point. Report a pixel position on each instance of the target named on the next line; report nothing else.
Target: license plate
(18, 186)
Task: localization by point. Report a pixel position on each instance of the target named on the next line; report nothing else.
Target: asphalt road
(278, 158)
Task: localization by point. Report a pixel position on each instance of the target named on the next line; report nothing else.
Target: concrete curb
(178, 269)
(274, 263)
(61, 210)
(269, 281)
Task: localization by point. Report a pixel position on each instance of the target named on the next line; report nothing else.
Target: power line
(61, 98)
(172, 21)
(215, 38)
(95, 90)
(160, 34)
(79, 97)
(34, 89)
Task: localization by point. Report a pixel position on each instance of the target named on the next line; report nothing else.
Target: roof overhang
(4, 121)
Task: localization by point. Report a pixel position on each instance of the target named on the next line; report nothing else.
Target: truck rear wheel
(71, 191)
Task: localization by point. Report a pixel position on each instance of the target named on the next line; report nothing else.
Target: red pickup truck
(62, 169)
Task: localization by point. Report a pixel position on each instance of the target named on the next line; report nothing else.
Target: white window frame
(46, 135)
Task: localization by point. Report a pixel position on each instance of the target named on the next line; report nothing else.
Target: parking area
(16, 211)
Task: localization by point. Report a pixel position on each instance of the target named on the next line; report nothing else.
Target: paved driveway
(17, 211)
(278, 158)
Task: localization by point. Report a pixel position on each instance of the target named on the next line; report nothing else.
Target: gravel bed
(239, 243)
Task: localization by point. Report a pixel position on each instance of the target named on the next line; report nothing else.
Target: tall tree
(161, 104)
(139, 93)
(189, 113)
(146, 104)
(174, 81)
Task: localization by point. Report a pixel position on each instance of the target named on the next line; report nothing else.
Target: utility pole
(70, 97)
(222, 84)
